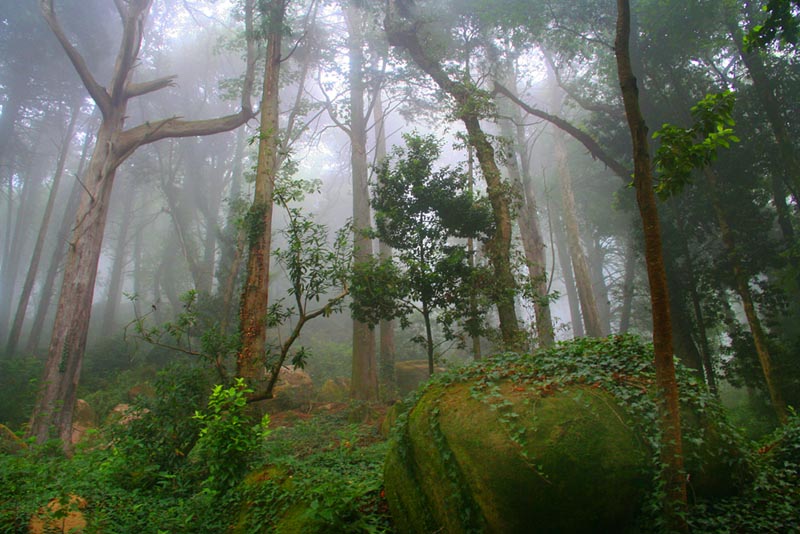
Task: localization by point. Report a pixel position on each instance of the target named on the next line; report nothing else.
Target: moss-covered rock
(560, 441)
(409, 374)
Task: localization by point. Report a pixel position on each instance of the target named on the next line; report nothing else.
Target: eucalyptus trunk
(671, 450)
(364, 385)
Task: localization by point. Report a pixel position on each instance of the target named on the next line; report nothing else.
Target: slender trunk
(364, 374)
(386, 328)
(628, 285)
(530, 231)
(58, 254)
(473, 296)
(596, 257)
(114, 292)
(426, 316)
(33, 268)
(564, 260)
(591, 317)
(743, 289)
(671, 439)
(250, 363)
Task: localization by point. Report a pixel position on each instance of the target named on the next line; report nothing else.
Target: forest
(399, 266)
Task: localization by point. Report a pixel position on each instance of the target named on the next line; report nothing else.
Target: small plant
(228, 440)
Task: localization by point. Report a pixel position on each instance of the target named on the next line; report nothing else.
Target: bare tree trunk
(33, 268)
(628, 285)
(114, 145)
(591, 317)
(569, 278)
(596, 259)
(250, 363)
(671, 452)
(743, 289)
(387, 347)
(528, 219)
(364, 385)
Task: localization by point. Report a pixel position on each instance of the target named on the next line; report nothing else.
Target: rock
(409, 374)
(560, 441)
(335, 390)
(124, 413)
(60, 516)
(294, 389)
(578, 466)
(83, 419)
(10, 443)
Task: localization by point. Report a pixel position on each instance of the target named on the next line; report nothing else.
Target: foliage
(782, 24)
(683, 150)
(228, 441)
(418, 212)
(18, 377)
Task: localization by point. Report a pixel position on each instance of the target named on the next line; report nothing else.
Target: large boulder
(562, 441)
(84, 418)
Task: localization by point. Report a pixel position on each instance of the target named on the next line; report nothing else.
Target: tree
(408, 31)
(671, 443)
(418, 210)
(114, 144)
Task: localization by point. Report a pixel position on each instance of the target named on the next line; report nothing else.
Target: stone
(60, 516)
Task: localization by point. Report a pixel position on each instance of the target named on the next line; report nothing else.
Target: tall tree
(671, 452)
(408, 31)
(115, 143)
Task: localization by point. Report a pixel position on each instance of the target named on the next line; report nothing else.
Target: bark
(114, 145)
(743, 290)
(569, 279)
(596, 256)
(364, 385)
(583, 280)
(405, 33)
(671, 446)
(250, 363)
(33, 267)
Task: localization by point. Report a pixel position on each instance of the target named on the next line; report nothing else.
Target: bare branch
(585, 139)
(96, 91)
(138, 89)
(129, 46)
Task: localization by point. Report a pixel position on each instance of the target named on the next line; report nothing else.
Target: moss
(564, 440)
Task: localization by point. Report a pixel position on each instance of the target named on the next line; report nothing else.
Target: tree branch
(96, 91)
(132, 32)
(585, 139)
(138, 89)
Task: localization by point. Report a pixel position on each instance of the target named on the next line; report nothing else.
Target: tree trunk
(628, 285)
(591, 317)
(743, 289)
(388, 383)
(250, 363)
(565, 262)
(33, 268)
(596, 259)
(404, 33)
(528, 219)
(364, 373)
(671, 452)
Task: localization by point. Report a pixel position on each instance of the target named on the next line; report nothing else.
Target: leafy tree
(418, 209)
